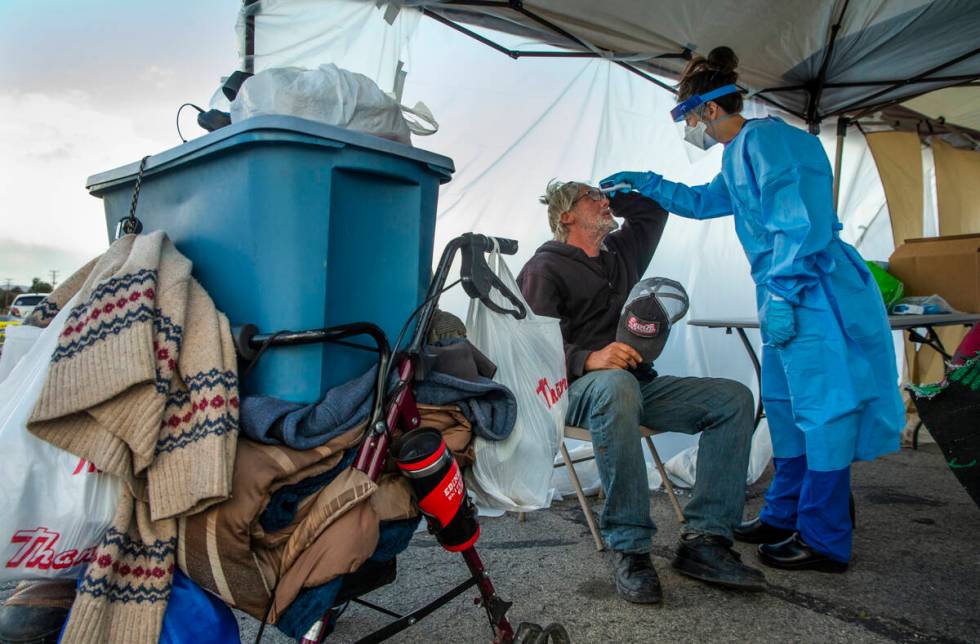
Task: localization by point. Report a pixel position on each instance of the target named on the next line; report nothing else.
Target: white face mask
(698, 136)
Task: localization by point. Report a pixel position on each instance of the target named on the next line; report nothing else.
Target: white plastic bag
(334, 96)
(515, 474)
(19, 341)
(54, 507)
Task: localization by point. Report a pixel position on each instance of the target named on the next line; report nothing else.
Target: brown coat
(226, 551)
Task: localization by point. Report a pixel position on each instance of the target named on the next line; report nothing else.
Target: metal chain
(132, 224)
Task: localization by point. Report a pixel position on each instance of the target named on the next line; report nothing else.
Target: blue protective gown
(830, 393)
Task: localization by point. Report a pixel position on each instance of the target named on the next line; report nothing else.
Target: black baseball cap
(653, 306)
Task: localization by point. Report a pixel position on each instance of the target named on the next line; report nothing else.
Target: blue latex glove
(642, 182)
(779, 321)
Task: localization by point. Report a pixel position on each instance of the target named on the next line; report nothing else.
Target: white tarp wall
(511, 126)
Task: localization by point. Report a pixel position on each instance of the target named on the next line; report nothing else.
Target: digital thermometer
(615, 188)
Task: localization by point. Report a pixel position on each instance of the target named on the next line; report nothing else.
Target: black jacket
(588, 294)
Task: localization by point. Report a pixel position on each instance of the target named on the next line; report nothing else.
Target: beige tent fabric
(898, 156)
(957, 189)
(956, 105)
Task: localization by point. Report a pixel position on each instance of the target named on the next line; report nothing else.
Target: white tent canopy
(810, 59)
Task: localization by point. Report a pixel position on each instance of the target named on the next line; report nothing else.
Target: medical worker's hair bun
(705, 74)
(722, 59)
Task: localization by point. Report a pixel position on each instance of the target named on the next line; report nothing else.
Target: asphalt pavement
(915, 576)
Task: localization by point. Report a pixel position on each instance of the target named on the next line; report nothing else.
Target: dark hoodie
(588, 293)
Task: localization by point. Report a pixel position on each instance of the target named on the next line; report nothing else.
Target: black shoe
(795, 554)
(636, 580)
(710, 558)
(758, 531)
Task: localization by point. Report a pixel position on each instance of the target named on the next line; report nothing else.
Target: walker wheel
(528, 633)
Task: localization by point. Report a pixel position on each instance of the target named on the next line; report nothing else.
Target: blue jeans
(612, 405)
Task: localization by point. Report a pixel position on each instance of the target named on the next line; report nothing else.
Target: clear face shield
(697, 135)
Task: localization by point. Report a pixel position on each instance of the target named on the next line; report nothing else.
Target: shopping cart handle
(507, 246)
(488, 244)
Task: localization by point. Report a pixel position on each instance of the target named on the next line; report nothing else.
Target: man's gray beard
(605, 228)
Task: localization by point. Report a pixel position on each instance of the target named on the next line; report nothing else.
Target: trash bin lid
(265, 129)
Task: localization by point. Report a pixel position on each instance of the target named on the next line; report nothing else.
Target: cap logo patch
(640, 328)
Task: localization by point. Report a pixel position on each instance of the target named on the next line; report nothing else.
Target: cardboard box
(945, 266)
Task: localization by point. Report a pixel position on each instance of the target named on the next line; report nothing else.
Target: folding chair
(581, 434)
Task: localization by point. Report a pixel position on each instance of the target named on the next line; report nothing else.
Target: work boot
(636, 580)
(36, 611)
(710, 558)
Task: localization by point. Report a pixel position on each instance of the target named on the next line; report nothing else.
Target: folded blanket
(489, 406)
(279, 422)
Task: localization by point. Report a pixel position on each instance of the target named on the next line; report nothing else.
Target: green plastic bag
(891, 287)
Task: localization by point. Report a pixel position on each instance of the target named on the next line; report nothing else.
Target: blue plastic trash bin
(294, 225)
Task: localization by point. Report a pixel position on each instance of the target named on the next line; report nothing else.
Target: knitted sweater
(143, 384)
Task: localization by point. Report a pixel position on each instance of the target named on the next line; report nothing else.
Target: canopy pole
(518, 6)
(815, 88)
(842, 124)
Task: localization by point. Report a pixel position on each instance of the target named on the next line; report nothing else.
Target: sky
(86, 87)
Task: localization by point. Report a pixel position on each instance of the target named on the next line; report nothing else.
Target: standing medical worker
(829, 382)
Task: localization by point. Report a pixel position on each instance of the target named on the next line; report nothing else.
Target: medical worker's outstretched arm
(795, 187)
(694, 202)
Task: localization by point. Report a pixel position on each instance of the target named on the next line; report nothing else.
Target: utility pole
(6, 293)
(54, 278)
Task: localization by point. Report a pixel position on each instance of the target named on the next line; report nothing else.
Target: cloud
(127, 53)
(21, 262)
(74, 102)
(160, 77)
(52, 144)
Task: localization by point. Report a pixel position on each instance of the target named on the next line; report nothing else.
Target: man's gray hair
(559, 197)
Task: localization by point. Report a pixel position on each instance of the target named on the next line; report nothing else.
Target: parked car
(24, 303)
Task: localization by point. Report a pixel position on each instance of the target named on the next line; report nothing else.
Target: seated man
(583, 278)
